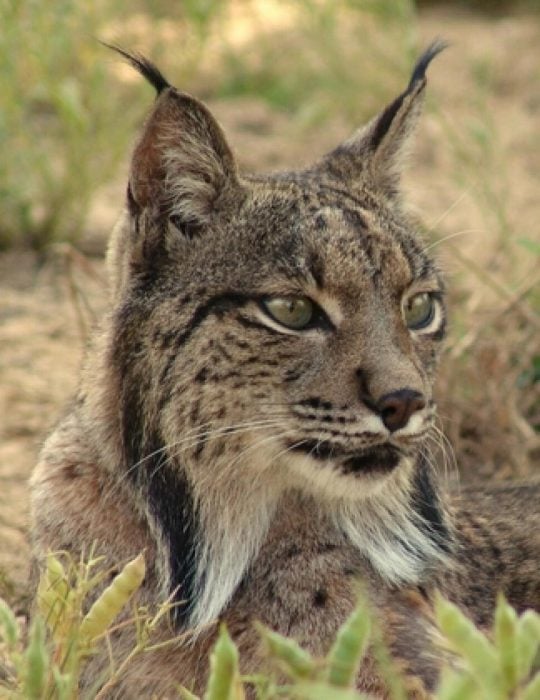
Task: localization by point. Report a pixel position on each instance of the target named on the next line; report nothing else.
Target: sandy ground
(45, 310)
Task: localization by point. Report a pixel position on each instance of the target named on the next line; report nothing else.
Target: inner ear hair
(182, 167)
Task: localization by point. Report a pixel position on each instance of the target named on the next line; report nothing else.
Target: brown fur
(245, 457)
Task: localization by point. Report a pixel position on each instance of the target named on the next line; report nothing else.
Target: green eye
(293, 312)
(419, 311)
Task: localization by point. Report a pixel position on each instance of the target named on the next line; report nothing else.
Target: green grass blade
(322, 691)
(532, 691)
(506, 642)
(349, 648)
(475, 649)
(9, 627)
(36, 662)
(224, 681)
(297, 662)
(528, 642)
(457, 685)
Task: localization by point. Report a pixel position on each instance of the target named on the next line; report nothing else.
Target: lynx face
(307, 342)
(268, 334)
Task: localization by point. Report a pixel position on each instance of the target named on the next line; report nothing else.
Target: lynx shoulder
(255, 409)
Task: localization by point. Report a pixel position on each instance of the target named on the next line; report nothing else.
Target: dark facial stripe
(171, 501)
(426, 502)
(132, 421)
(383, 458)
(315, 265)
(318, 429)
(421, 265)
(169, 494)
(218, 304)
(318, 449)
(215, 305)
(316, 402)
(332, 195)
(172, 507)
(380, 459)
(292, 375)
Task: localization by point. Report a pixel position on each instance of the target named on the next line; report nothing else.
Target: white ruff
(227, 553)
(236, 515)
(389, 533)
(236, 518)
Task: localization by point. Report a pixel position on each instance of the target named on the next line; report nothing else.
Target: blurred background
(288, 79)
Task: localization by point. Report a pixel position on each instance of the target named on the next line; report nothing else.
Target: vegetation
(46, 663)
(67, 121)
(57, 132)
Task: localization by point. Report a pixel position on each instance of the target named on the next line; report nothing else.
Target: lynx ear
(375, 153)
(182, 166)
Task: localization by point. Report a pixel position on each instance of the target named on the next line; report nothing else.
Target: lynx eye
(292, 312)
(419, 311)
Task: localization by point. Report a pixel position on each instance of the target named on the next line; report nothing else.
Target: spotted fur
(265, 469)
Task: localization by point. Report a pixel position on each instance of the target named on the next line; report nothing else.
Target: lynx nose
(397, 407)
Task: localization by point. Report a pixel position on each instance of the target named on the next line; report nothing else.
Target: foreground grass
(48, 660)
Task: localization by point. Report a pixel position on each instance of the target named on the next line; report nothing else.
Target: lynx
(255, 409)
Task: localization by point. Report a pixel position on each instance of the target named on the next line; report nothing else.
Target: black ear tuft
(418, 76)
(419, 70)
(376, 153)
(143, 66)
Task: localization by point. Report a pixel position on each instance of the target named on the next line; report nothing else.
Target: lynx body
(255, 409)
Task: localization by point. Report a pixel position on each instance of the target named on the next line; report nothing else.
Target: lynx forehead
(256, 410)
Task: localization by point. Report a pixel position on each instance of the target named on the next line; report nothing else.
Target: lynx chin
(256, 408)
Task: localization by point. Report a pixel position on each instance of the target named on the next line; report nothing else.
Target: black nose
(397, 407)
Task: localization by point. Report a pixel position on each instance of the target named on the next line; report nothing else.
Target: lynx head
(272, 334)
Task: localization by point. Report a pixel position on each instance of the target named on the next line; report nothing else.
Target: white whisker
(447, 211)
(210, 436)
(452, 235)
(189, 440)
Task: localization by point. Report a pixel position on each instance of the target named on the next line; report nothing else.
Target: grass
(327, 79)
(57, 133)
(493, 414)
(49, 660)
